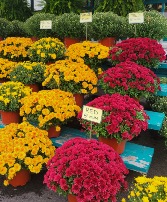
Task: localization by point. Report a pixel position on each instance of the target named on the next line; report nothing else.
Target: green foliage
(15, 10)
(154, 26)
(32, 25)
(5, 27)
(18, 29)
(163, 80)
(28, 73)
(107, 24)
(59, 7)
(120, 7)
(68, 25)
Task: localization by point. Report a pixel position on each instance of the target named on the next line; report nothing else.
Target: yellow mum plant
(23, 146)
(93, 54)
(46, 50)
(15, 48)
(48, 108)
(28, 72)
(10, 95)
(6, 66)
(148, 189)
(74, 77)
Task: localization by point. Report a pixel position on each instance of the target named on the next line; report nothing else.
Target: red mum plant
(88, 169)
(129, 78)
(144, 51)
(123, 117)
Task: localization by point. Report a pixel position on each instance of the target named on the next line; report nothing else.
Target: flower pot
(21, 178)
(10, 117)
(79, 98)
(109, 41)
(1, 38)
(118, 147)
(33, 38)
(52, 132)
(34, 87)
(69, 41)
(72, 198)
(3, 80)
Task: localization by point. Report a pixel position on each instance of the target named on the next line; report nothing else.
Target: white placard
(46, 24)
(92, 114)
(135, 18)
(85, 17)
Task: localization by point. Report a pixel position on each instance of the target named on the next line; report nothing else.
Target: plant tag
(136, 18)
(92, 114)
(85, 17)
(46, 24)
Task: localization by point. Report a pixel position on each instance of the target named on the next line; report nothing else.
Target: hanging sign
(85, 17)
(46, 24)
(92, 114)
(136, 18)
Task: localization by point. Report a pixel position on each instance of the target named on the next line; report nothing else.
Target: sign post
(135, 18)
(92, 114)
(85, 18)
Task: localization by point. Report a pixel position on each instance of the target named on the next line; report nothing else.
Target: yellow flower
(6, 182)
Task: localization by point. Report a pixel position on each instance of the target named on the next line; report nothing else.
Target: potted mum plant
(46, 50)
(148, 189)
(23, 154)
(5, 27)
(15, 48)
(6, 67)
(10, 96)
(123, 119)
(32, 25)
(29, 73)
(49, 109)
(86, 170)
(144, 51)
(129, 78)
(91, 53)
(74, 77)
(69, 28)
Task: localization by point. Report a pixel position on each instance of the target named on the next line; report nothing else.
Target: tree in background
(15, 10)
(59, 7)
(120, 7)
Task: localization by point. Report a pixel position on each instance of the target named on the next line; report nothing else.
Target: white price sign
(92, 114)
(85, 17)
(46, 24)
(136, 18)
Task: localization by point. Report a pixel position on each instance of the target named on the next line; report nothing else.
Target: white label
(46, 24)
(92, 114)
(136, 18)
(85, 17)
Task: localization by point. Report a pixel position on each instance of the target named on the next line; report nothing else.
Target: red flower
(144, 51)
(129, 78)
(98, 174)
(123, 117)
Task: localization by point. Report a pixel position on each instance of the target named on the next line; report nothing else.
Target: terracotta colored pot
(21, 178)
(79, 99)
(109, 41)
(1, 38)
(118, 147)
(10, 117)
(33, 38)
(34, 87)
(72, 198)
(53, 133)
(69, 41)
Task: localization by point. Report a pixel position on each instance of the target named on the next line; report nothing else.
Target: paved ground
(35, 191)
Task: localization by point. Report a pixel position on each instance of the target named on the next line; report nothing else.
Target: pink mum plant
(88, 169)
